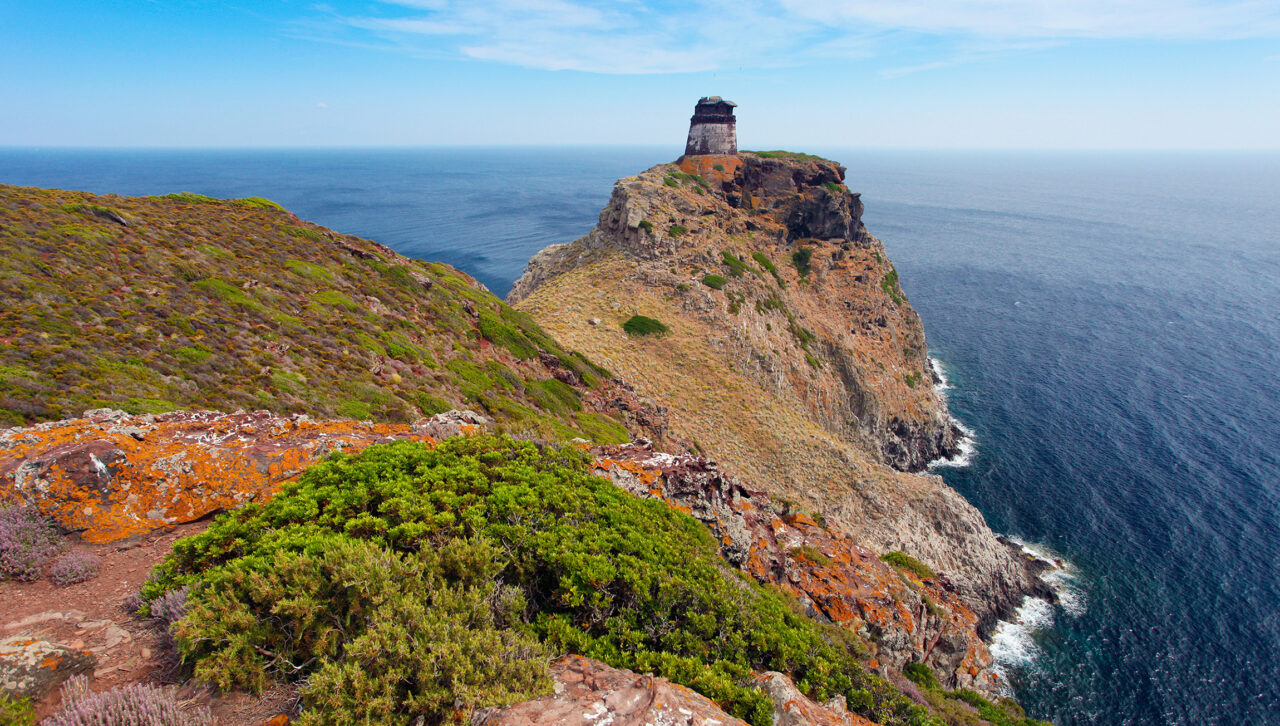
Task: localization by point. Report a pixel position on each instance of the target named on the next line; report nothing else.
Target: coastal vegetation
(355, 582)
(184, 301)
(640, 325)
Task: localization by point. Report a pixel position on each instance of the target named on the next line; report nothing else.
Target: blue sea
(1109, 324)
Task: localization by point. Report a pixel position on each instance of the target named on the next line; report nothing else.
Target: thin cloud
(705, 35)
(1099, 19)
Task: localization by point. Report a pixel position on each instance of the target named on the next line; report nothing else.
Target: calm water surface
(1110, 324)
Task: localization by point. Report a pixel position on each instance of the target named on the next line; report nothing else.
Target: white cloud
(1167, 19)
(647, 36)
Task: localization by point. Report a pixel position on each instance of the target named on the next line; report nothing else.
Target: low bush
(638, 325)
(735, 264)
(138, 704)
(412, 582)
(257, 203)
(73, 568)
(889, 283)
(647, 226)
(767, 265)
(28, 540)
(715, 282)
(677, 230)
(16, 711)
(811, 554)
(904, 561)
(801, 260)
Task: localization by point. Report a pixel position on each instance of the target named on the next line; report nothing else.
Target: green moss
(903, 561)
(639, 325)
(332, 578)
(714, 281)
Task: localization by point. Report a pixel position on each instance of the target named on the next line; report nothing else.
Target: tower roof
(714, 99)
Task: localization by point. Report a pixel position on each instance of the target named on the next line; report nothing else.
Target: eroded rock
(32, 668)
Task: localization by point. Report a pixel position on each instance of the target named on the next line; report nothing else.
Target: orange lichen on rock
(905, 620)
(716, 168)
(110, 475)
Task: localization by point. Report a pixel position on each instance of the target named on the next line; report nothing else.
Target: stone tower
(713, 129)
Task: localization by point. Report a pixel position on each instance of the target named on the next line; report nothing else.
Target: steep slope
(793, 356)
(179, 302)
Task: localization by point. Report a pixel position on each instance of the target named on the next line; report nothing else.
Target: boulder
(31, 668)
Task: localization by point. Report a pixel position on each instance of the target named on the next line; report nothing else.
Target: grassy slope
(158, 303)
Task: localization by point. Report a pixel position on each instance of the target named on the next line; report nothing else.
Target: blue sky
(1166, 74)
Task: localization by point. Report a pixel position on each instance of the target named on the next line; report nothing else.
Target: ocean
(1108, 324)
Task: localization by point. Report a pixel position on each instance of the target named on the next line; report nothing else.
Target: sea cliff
(792, 352)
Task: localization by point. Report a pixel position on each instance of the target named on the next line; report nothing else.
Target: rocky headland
(168, 359)
(792, 352)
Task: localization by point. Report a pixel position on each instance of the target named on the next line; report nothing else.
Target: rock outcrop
(904, 617)
(793, 357)
(32, 668)
(110, 475)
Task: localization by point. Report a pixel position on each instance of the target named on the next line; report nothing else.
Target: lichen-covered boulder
(32, 668)
(110, 475)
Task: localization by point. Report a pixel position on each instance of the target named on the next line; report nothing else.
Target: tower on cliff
(713, 129)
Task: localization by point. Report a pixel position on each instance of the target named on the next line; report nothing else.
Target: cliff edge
(791, 353)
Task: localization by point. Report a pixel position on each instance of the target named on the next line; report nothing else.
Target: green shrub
(718, 167)
(912, 379)
(16, 711)
(311, 235)
(788, 155)
(224, 290)
(192, 198)
(670, 181)
(647, 226)
(889, 283)
(904, 561)
(499, 332)
(335, 299)
(257, 203)
(677, 230)
(833, 187)
(601, 429)
(431, 405)
(811, 554)
(193, 354)
(714, 281)
(735, 264)
(638, 325)
(921, 675)
(308, 269)
(407, 581)
(800, 259)
(767, 265)
(555, 396)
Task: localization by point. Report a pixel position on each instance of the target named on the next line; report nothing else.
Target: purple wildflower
(28, 540)
(74, 567)
(138, 704)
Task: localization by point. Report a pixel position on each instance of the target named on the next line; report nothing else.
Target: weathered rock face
(31, 668)
(906, 618)
(793, 357)
(110, 475)
(836, 322)
(590, 693)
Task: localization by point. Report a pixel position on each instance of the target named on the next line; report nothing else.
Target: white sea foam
(968, 443)
(1013, 644)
